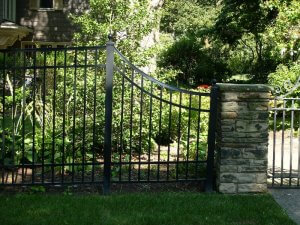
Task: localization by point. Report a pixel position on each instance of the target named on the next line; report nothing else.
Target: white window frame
(40, 8)
(9, 10)
(57, 5)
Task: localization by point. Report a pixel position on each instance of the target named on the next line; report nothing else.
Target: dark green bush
(196, 63)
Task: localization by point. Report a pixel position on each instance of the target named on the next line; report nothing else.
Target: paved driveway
(289, 200)
(291, 159)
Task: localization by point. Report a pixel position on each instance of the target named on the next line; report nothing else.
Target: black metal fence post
(108, 115)
(211, 136)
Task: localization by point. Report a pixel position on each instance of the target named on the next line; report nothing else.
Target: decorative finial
(214, 82)
(110, 37)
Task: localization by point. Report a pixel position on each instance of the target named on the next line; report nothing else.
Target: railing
(83, 115)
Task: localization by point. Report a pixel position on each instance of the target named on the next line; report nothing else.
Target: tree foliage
(248, 38)
(243, 17)
(201, 57)
(196, 64)
(285, 32)
(189, 17)
(128, 22)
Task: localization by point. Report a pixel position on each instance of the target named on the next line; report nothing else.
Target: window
(46, 4)
(9, 10)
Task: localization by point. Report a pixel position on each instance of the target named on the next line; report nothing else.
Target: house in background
(37, 23)
(10, 30)
(46, 23)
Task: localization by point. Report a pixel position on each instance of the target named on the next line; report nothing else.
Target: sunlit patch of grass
(141, 208)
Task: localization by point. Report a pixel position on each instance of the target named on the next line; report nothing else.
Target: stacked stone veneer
(242, 138)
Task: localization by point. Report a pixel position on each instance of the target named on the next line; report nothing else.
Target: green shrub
(196, 64)
(286, 80)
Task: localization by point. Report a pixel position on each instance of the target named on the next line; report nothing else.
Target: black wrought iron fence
(84, 115)
(51, 104)
(284, 151)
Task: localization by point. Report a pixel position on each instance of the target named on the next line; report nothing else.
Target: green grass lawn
(183, 208)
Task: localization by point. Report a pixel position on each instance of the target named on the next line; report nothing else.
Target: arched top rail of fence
(161, 84)
(99, 48)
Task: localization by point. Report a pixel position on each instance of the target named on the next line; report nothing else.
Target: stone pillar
(242, 138)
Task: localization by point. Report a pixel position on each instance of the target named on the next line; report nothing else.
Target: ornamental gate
(284, 144)
(86, 115)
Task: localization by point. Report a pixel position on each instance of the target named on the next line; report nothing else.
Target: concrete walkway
(289, 199)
